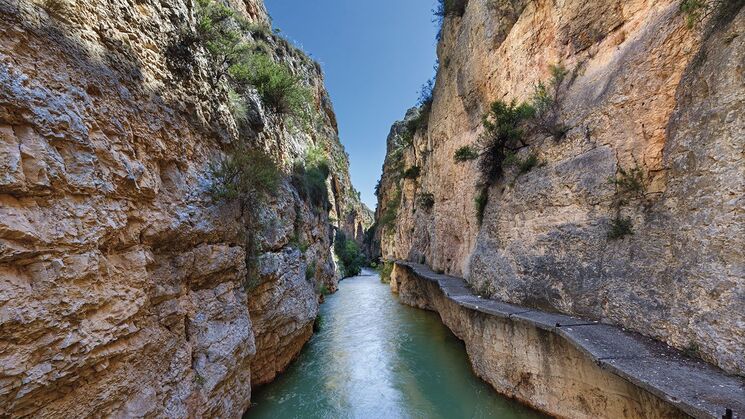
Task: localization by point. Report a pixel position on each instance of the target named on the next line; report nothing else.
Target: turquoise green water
(377, 358)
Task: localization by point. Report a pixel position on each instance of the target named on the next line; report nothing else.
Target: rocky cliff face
(651, 142)
(125, 289)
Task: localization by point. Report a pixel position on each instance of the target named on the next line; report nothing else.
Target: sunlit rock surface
(645, 90)
(124, 288)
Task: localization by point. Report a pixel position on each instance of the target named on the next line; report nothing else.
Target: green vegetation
(523, 165)
(506, 125)
(629, 183)
(482, 198)
(426, 200)
(310, 270)
(693, 350)
(220, 31)
(620, 227)
(318, 323)
(280, 91)
(322, 289)
(386, 269)
(465, 153)
(349, 254)
(309, 178)
(424, 103)
(199, 379)
(546, 104)
(412, 172)
(449, 8)
(246, 174)
(504, 132)
(388, 219)
(695, 11)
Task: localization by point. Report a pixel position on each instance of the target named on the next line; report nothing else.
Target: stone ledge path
(694, 386)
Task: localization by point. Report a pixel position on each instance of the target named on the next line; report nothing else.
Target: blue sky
(375, 56)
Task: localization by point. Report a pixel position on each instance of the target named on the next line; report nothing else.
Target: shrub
(280, 91)
(523, 165)
(350, 257)
(318, 322)
(386, 269)
(503, 124)
(309, 178)
(693, 350)
(246, 174)
(218, 30)
(620, 227)
(695, 11)
(310, 271)
(629, 183)
(427, 200)
(238, 107)
(465, 153)
(388, 219)
(482, 198)
(450, 8)
(546, 104)
(425, 108)
(180, 57)
(412, 172)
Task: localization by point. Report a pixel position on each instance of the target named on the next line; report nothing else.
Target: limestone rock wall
(645, 90)
(124, 289)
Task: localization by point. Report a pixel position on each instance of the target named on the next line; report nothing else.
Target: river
(377, 358)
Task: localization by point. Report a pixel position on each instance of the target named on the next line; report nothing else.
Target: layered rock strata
(124, 288)
(654, 95)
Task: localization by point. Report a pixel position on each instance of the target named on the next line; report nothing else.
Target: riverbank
(376, 357)
(570, 367)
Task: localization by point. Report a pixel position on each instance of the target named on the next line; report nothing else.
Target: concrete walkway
(694, 386)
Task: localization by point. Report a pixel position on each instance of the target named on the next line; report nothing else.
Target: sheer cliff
(131, 285)
(584, 158)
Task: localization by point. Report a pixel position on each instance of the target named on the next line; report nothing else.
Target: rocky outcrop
(649, 92)
(124, 288)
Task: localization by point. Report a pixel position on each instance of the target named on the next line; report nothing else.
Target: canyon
(172, 187)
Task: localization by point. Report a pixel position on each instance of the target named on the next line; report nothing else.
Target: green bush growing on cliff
(426, 200)
(503, 133)
(310, 271)
(629, 183)
(546, 103)
(620, 227)
(246, 174)
(388, 219)
(412, 172)
(695, 11)
(309, 178)
(524, 165)
(424, 103)
(386, 269)
(465, 153)
(219, 31)
(482, 198)
(245, 64)
(280, 91)
(448, 8)
(349, 255)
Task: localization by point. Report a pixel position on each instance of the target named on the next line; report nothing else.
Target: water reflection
(376, 358)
